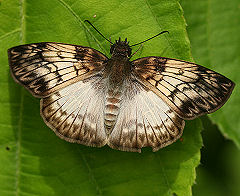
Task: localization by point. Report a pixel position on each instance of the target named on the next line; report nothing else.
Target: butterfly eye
(129, 52)
(112, 48)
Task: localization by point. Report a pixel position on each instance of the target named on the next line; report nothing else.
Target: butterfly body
(90, 99)
(117, 70)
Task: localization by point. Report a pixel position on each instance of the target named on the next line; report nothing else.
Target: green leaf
(213, 28)
(34, 161)
(219, 173)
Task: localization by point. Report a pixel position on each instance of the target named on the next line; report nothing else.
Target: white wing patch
(75, 113)
(145, 120)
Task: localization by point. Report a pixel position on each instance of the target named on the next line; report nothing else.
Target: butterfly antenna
(136, 51)
(97, 31)
(149, 38)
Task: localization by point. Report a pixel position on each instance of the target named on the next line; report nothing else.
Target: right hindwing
(144, 120)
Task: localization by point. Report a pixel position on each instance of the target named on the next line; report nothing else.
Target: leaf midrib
(66, 6)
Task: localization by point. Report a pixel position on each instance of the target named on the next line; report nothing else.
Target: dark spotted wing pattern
(46, 67)
(75, 113)
(144, 120)
(189, 89)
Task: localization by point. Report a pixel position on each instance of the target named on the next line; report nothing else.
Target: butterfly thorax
(118, 68)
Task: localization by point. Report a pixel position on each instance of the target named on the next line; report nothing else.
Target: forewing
(75, 113)
(189, 89)
(144, 120)
(46, 67)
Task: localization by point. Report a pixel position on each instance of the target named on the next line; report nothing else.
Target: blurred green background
(213, 28)
(219, 171)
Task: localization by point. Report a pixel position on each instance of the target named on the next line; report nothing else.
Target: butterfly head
(121, 48)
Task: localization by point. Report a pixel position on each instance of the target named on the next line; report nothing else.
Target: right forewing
(189, 89)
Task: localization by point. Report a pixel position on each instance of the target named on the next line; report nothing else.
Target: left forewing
(189, 89)
(46, 67)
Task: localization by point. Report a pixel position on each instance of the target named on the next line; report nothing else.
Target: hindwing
(144, 120)
(75, 113)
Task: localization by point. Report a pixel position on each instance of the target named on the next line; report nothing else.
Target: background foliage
(213, 29)
(33, 161)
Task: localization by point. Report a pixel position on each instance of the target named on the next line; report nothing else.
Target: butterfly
(90, 99)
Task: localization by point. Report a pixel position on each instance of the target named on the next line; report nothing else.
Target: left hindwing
(46, 67)
(189, 89)
(75, 113)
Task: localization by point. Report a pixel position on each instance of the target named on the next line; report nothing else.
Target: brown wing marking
(190, 89)
(75, 113)
(46, 67)
(144, 120)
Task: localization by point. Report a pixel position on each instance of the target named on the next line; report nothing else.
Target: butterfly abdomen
(112, 106)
